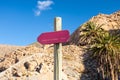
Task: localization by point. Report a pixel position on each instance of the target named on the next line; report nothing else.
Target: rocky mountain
(36, 61)
(108, 22)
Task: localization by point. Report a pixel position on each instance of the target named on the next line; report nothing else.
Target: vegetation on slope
(105, 48)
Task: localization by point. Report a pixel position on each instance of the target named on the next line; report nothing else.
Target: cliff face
(109, 22)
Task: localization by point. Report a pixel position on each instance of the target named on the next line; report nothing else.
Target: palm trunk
(116, 59)
(102, 67)
(111, 69)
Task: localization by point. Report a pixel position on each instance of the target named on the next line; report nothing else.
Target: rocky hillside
(108, 22)
(37, 63)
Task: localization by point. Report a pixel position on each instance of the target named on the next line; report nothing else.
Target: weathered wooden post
(58, 51)
(57, 37)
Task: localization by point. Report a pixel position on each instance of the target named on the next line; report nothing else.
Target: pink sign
(54, 37)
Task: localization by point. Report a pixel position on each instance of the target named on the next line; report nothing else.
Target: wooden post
(58, 51)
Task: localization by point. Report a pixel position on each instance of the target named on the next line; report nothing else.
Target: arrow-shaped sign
(54, 37)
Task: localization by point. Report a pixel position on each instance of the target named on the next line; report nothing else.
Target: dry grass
(68, 57)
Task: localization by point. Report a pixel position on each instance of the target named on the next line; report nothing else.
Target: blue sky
(22, 21)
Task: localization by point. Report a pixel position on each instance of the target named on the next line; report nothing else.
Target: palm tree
(105, 47)
(89, 32)
(106, 50)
